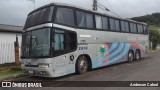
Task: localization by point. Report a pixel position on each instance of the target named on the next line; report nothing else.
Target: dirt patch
(5, 69)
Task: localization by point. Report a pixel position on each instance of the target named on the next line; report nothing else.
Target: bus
(61, 39)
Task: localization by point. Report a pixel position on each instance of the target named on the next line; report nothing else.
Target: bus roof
(77, 7)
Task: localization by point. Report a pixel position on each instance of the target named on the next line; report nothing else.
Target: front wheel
(82, 65)
(130, 56)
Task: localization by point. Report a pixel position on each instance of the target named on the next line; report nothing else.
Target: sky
(14, 12)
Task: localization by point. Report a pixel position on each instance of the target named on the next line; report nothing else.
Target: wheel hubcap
(137, 56)
(83, 65)
(130, 56)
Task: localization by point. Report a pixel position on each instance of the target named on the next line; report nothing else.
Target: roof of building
(11, 28)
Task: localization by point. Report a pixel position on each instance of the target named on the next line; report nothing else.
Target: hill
(152, 19)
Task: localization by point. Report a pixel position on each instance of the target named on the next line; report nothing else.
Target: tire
(137, 55)
(82, 65)
(130, 56)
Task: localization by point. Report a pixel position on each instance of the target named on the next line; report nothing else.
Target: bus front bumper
(36, 71)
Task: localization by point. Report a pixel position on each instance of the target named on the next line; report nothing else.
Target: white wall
(7, 53)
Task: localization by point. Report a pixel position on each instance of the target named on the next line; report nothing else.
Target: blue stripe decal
(125, 51)
(114, 45)
(97, 61)
(120, 48)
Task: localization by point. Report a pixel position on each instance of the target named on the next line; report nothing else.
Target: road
(147, 69)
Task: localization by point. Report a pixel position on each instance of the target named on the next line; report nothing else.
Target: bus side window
(81, 19)
(123, 28)
(65, 16)
(71, 40)
(117, 25)
(59, 37)
(89, 21)
(98, 22)
(140, 29)
(133, 28)
(112, 24)
(145, 30)
(105, 23)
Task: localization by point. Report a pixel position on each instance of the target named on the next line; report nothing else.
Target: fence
(7, 53)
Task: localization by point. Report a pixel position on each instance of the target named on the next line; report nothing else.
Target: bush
(154, 36)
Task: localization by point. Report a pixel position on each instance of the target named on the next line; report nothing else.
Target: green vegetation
(10, 71)
(154, 36)
(153, 21)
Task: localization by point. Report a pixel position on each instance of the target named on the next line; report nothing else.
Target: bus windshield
(36, 43)
(39, 17)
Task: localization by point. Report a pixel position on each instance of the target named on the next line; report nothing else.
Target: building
(8, 34)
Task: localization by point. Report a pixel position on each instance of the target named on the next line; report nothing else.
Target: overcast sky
(14, 12)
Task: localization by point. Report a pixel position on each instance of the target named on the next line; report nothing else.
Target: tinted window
(117, 25)
(145, 30)
(71, 40)
(81, 22)
(140, 29)
(127, 26)
(105, 23)
(98, 22)
(39, 17)
(123, 28)
(133, 27)
(65, 16)
(58, 40)
(84, 20)
(63, 41)
(89, 20)
(112, 24)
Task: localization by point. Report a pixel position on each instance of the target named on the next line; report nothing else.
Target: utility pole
(95, 5)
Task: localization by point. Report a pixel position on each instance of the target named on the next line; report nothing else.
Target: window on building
(65, 16)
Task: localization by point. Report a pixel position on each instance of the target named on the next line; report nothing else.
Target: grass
(10, 71)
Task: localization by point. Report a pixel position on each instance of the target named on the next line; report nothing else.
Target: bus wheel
(82, 65)
(130, 56)
(137, 55)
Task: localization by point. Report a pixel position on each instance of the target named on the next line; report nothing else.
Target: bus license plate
(31, 72)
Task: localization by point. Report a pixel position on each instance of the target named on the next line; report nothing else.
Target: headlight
(43, 65)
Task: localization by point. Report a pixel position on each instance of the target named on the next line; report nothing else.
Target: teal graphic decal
(102, 50)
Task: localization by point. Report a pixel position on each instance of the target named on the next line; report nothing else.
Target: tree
(154, 36)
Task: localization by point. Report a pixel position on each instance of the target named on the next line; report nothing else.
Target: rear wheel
(82, 65)
(130, 56)
(137, 55)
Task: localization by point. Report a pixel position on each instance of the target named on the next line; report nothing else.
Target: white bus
(61, 39)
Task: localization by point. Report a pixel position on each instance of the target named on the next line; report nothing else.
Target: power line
(106, 9)
(108, 4)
